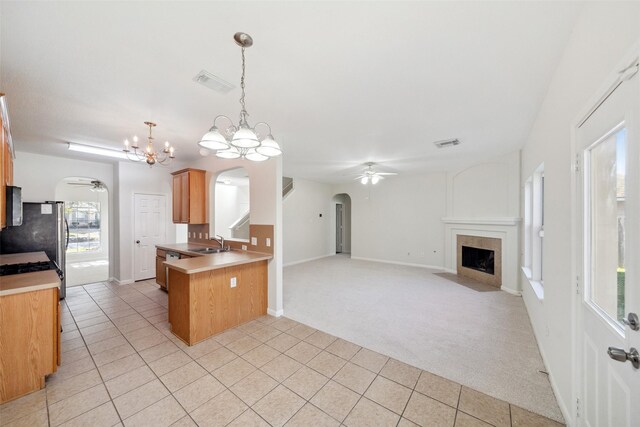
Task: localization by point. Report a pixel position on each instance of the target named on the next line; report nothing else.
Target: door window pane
(607, 167)
(84, 226)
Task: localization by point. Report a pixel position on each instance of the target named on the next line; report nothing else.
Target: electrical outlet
(199, 235)
(234, 282)
(254, 241)
(206, 236)
(189, 233)
(268, 242)
(244, 247)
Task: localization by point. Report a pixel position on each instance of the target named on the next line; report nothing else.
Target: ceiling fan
(96, 186)
(370, 175)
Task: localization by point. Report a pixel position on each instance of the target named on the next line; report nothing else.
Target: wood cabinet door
(177, 199)
(3, 188)
(161, 276)
(197, 197)
(184, 198)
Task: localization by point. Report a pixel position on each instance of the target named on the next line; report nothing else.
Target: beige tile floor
(122, 366)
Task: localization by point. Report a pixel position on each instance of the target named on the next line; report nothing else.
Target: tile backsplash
(260, 234)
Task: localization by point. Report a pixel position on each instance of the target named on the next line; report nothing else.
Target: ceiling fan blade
(386, 173)
(79, 183)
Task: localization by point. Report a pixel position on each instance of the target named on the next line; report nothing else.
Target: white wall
(602, 36)
(306, 235)
(399, 219)
(231, 203)
(38, 175)
(486, 190)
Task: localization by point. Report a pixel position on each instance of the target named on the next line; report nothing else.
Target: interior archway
(341, 223)
(86, 209)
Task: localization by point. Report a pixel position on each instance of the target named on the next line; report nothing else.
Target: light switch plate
(254, 241)
(268, 241)
(244, 247)
(189, 234)
(234, 282)
(206, 236)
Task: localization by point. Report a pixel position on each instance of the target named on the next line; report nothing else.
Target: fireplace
(480, 258)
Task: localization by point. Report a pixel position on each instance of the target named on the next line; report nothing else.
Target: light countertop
(214, 261)
(8, 259)
(183, 248)
(27, 282)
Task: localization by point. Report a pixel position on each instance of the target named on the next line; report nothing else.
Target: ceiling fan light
(269, 147)
(245, 138)
(375, 179)
(214, 140)
(254, 156)
(364, 180)
(229, 153)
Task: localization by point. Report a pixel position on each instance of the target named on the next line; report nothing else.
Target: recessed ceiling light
(447, 143)
(214, 83)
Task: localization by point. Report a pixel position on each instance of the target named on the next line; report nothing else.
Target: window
(534, 230)
(84, 226)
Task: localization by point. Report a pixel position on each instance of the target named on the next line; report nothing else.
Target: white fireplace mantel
(505, 228)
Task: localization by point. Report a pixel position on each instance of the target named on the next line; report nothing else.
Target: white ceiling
(341, 83)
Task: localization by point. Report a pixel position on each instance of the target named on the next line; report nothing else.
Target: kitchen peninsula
(211, 293)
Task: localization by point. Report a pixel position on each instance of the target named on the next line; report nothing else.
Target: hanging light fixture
(149, 154)
(241, 141)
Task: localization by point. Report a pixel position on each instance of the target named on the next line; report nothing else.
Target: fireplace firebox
(478, 259)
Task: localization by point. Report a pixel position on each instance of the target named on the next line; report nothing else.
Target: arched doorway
(342, 223)
(86, 211)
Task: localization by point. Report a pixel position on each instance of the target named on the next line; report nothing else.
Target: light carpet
(483, 340)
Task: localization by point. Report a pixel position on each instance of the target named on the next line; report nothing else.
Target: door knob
(138, 241)
(622, 356)
(632, 321)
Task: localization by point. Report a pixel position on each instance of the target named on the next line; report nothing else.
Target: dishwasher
(170, 256)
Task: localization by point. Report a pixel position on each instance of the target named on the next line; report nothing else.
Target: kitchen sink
(209, 250)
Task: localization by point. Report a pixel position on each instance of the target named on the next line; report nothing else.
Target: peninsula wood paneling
(204, 304)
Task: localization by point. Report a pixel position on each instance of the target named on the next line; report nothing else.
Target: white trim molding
(505, 228)
(302, 261)
(275, 313)
(483, 221)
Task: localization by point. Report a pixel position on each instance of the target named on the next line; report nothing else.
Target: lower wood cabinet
(161, 275)
(29, 341)
(204, 304)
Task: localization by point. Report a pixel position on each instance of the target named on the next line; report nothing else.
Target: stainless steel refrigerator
(43, 229)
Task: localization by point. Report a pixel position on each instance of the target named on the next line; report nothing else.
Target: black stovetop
(27, 267)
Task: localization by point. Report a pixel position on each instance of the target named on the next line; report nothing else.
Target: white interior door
(608, 144)
(149, 229)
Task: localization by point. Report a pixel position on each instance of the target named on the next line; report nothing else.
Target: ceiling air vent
(447, 143)
(215, 83)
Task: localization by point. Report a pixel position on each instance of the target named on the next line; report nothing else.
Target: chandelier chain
(243, 111)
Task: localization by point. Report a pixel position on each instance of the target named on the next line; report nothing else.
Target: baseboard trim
(302, 261)
(408, 264)
(511, 291)
(120, 282)
(275, 313)
(449, 270)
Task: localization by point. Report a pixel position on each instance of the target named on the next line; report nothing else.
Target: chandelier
(149, 154)
(241, 141)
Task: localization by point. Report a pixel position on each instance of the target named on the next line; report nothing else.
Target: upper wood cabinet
(189, 196)
(6, 159)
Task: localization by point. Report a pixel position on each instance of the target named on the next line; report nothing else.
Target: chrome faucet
(220, 240)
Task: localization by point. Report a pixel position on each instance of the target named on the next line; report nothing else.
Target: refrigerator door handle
(66, 227)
